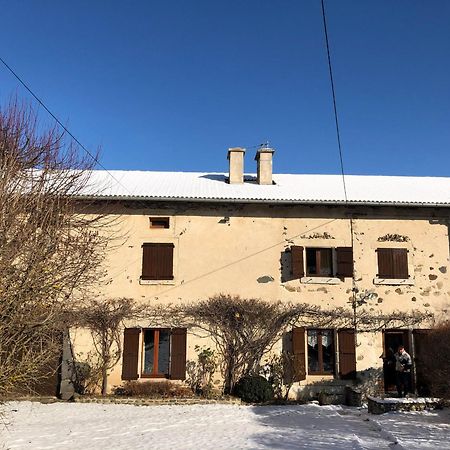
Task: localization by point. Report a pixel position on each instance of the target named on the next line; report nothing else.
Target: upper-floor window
(321, 262)
(392, 263)
(157, 261)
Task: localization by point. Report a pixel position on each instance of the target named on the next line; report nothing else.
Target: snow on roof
(196, 186)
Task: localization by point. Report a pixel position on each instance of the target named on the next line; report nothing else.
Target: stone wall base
(382, 405)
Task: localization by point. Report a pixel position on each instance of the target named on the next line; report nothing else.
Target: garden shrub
(254, 389)
(200, 373)
(434, 364)
(152, 389)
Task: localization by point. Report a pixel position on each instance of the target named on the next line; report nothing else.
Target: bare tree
(50, 249)
(244, 330)
(104, 318)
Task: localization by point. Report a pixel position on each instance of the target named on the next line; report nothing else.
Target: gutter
(265, 201)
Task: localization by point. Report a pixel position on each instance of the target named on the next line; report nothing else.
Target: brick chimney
(264, 170)
(236, 158)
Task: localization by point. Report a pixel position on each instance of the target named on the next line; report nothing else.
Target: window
(157, 262)
(154, 353)
(392, 263)
(321, 262)
(314, 349)
(320, 352)
(159, 222)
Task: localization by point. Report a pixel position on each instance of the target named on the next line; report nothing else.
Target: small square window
(159, 222)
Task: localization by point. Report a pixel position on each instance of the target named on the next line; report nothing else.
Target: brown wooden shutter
(157, 261)
(130, 354)
(298, 270)
(344, 256)
(298, 350)
(392, 263)
(400, 262)
(178, 354)
(385, 263)
(347, 356)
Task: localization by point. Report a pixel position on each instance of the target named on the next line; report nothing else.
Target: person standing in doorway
(403, 364)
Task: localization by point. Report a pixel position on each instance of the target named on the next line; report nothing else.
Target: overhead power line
(69, 133)
(336, 120)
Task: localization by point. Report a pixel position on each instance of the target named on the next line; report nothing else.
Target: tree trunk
(104, 380)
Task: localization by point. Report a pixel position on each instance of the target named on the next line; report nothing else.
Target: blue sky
(170, 85)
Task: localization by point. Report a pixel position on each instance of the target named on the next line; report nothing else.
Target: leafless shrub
(49, 250)
(104, 318)
(282, 370)
(434, 363)
(244, 330)
(152, 389)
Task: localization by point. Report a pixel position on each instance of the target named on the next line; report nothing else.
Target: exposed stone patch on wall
(323, 235)
(265, 279)
(393, 238)
(289, 287)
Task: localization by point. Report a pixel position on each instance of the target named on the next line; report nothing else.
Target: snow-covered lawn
(109, 426)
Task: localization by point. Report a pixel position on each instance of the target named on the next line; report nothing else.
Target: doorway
(391, 341)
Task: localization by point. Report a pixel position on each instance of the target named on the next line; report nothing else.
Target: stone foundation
(382, 405)
(141, 401)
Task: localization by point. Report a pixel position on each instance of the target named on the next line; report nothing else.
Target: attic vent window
(159, 222)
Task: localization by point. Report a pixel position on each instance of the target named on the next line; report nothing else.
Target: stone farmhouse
(294, 238)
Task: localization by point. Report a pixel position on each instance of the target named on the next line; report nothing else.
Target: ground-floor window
(154, 352)
(315, 351)
(320, 351)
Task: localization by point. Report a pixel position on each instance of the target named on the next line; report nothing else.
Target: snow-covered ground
(109, 426)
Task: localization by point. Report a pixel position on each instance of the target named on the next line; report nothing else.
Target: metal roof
(197, 186)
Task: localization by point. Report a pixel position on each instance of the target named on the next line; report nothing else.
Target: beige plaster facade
(241, 249)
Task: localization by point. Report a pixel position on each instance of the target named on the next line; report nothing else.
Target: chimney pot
(264, 158)
(236, 159)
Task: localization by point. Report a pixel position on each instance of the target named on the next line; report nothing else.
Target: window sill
(155, 282)
(320, 280)
(150, 375)
(394, 281)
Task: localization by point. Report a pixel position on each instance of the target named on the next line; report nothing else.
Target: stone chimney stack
(236, 158)
(264, 170)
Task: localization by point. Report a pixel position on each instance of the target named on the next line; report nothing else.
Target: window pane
(313, 354)
(327, 351)
(149, 350)
(311, 263)
(325, 262)
(164, 351)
